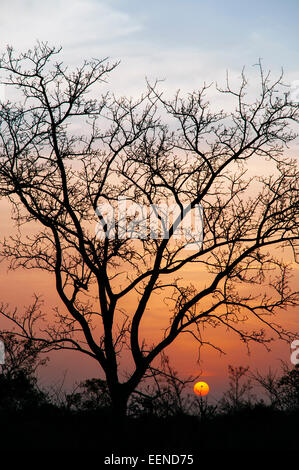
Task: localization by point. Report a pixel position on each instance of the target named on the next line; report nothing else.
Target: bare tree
(283, 389)
(269, 382)
(239, 393)
(64, 154)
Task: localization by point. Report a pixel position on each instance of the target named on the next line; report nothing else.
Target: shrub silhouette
(163, 416)
(19, 390)
(288, 386)
(238, 396)
(93, 396)
(282, 389)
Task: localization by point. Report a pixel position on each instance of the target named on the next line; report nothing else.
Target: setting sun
(201, 388)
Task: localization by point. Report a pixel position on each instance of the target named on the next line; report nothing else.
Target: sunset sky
(184, 43)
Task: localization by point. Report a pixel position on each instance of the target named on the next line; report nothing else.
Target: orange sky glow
(18, 287)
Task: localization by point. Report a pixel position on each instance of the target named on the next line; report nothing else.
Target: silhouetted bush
(93, 395)
(20, 392)
(30, 419)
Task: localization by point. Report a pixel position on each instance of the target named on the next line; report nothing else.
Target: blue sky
(219, 25)
(182, 41)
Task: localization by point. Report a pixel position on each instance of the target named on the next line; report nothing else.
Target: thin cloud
(74, 24)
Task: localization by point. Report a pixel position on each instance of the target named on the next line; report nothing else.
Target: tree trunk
(119, 399)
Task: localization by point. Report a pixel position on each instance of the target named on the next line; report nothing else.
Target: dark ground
(259, 429)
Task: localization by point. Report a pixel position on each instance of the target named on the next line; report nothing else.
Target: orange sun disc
(201, 388)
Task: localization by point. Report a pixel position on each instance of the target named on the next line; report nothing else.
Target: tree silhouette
(64, 154)
(288, 386)
(269, 382)
(282, 389)
(93, 395)
(18, 382)
(239, 393)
